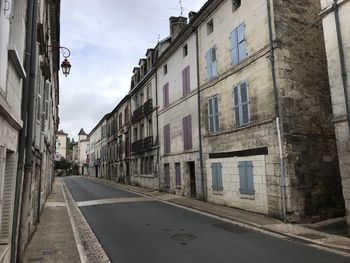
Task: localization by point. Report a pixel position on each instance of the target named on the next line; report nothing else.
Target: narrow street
(134, 228)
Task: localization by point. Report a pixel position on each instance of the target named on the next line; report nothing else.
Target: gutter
(278, 113)
(29, 56)
(203, 180)
(342, 61)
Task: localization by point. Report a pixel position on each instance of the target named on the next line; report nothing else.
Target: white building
(83, 153)
(179, 161)
(336, 21)
(61, 145)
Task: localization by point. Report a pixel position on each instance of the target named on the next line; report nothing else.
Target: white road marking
(113, 201)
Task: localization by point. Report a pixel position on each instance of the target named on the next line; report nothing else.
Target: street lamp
(65, 64)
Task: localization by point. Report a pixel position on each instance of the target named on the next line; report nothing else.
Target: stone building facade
(143, 126)
(268, 143)
(61, 145)
(29, 64)
(179, 160)
(95, 137)
(336, 20)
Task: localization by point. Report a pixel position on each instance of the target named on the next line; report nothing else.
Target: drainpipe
(157, 122)
(278, 112)
(341, 58)
(203, 180)
(28, 57)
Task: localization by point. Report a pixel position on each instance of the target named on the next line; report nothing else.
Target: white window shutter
(8, 196)
(5, 16)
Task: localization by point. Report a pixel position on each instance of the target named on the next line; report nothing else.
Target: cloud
(106, 41)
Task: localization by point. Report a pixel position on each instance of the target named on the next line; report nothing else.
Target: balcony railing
(148, 143)
(148, 107)
(138, 114)
(137, 146)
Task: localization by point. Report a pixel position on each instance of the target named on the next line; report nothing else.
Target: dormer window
(165, 69)
(185, 50)
(236, 4)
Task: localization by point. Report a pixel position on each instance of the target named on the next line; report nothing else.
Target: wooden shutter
(214, 177)
(165, 95)
(208, 62)
(214, 64)
(167, 139)
(234, 47)
(178, 174)
(210, 115)
(5, 18)
(244, 103)
(236, 107)
(189, 132)
(186, 81)
(216, 170)
(246, 177)
(242, 53)
(167, 174)
(216, 113)
(7, 197)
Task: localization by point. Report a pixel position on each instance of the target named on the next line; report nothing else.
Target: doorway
(192, 172)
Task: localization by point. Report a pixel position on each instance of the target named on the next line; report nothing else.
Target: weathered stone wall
(313, 182)
(337, 87)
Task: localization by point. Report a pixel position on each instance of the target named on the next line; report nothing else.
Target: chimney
(192, 15)
(176, 25)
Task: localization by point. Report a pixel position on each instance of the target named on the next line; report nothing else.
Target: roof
(61, 133)
(82, 132)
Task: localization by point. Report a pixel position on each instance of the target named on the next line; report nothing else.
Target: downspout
(341, 58)
(203, 180)
(157, 122)
(28, 56)
(278, 113)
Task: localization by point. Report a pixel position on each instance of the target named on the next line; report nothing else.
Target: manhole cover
(233, 228)
(183, 237)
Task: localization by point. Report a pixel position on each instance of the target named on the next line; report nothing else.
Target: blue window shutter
(219, 175)
(210, 115)
(242, 53)
(236, 100)
(216, 114)
(214, 176)
(208, 64)
(189, 132)
(214, 64)
(245, 103)
(234, 47)
(242, 177)
(250, 178)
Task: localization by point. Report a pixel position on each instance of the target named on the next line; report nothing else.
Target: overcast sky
(106, 39)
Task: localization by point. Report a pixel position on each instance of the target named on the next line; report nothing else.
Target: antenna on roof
(181, 7)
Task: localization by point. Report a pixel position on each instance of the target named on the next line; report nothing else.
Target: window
(150, 128)
(165, 69)
(167, 141)
(213, 114)
(216, 173)
(236, 4)
(166, 95)
(241, 108)
(120, 120)
(178, 174)
(246, 178)
(142, 131)
(187, 132)
(149, 91)
(210, 26)
(167, 174)
(186, 81)
(126, 114)
(185, 50)
(211, 63)
(238, 44)
(135, 134)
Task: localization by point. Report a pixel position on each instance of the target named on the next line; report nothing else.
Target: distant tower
(82, 135)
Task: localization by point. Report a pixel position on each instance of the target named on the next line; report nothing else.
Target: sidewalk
(297, 233)
(53, 239)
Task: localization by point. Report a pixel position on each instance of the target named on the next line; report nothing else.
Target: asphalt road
(150, 231)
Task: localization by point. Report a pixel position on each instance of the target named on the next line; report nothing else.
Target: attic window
(210, 26)
(236, 4)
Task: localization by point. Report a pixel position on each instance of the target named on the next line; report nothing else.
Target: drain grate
(183, 237)
(233, 228)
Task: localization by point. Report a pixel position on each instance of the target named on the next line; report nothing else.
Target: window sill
(247, 196)
(147, 176)
(178, 187)
(218, 192)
